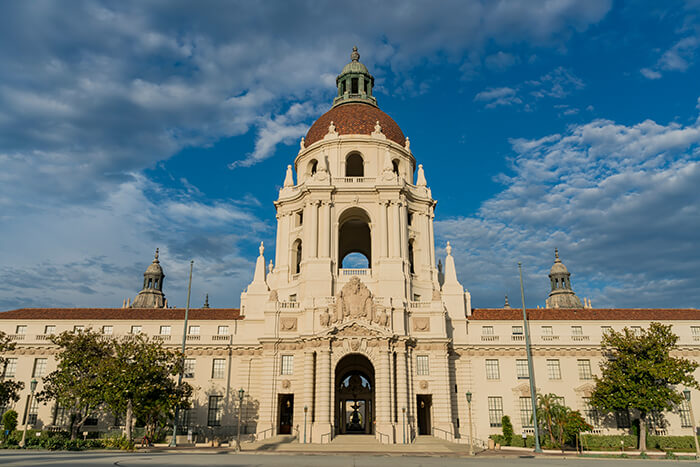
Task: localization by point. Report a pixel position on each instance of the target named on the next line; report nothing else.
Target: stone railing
(221, 337)
(288, 305)
(16, 337)
(161, 337)
(193, 337)
(419, 304)
(517, 337)
(550, 338)
(580, 338)
(354, 180)
(355, 272)
(489, 337)
(43, 337)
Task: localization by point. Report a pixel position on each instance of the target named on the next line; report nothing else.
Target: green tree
(640, 373)
(9, 422)
(575, 424)
(507, 430)
(78, 384)
(551, 413)
(140, 382)
(9, 389)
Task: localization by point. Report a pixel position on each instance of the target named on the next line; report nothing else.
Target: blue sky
(126, 126)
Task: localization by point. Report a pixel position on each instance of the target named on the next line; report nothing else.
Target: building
(324, 347)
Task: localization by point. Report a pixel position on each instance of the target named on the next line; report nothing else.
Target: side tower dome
(151, 296)
(562, 295)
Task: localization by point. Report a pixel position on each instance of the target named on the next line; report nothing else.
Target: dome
(355, 119)
(558, 267)
(154, 268)
(354, 67)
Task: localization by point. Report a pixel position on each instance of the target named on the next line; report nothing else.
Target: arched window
(297, 257)
(150, 283)
(395, 166)
(354, 165)
(155, 284)
(313, 166)
(354, 239)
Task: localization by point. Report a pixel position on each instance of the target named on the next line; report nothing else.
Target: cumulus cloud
(494, 97)
(679, 58)
(620, 202)
(500, 61)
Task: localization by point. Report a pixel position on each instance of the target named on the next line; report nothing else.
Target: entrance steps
(355, 440)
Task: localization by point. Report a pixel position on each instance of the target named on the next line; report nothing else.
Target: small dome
(354, 67)
(355, 119)
(558, 267)
(154, 267)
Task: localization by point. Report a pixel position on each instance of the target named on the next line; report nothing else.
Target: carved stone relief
(421, 324)
(286, 384)
(354, 302)
(288, 324)
(423, 384)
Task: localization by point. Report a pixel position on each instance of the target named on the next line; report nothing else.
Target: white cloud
(620, 202)
(677, 58)
(495, 97)
(500, 61)
(650, 74)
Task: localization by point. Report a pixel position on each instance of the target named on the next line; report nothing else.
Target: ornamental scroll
(354, 302)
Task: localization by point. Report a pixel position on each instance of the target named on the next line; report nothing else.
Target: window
(165, 330)
(287, 364)
(684, 411)
(194, 331)
(293, 298)
(517, 330)
(188, 369)
(21, 329)
(107, 330)
(695, 331)
(590, 413)
(605, 330)
(91, 420)
(222, 330)
(218, 368)
(299, 218)
(10, 368)
(576, 331)
(584, 369)
(492, 370)
(78, 328)
(354, 166)
(61, 417)
(547, 331)
(32, 412)
(49, 329)
(526, 412)
(637, 330)
(39, 367)
(184, 419)
(495, 410)
(136, 329)
(622, 418)
(487, 330)
(216, 409)
(553, 369)
(521, 369)
(422, 368)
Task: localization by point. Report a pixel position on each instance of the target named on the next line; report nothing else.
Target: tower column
(403, 214)
(308, 390)
(401, 393)
(383, 230)
(325, 230)
(313, 227)
(395, 242)
(431, 239)
(322, 425)
(383, 397)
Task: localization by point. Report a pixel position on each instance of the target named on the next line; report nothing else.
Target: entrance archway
(354, 395)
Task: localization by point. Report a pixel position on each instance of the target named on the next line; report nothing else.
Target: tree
(575, 424)
(507, 430)
(140, 382)
(9, 389)
(640, 373)
(551, 413)
(77, 385)
(9, 422)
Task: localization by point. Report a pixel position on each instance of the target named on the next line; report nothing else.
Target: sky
(130, 126)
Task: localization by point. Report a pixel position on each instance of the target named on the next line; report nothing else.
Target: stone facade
(323, 349)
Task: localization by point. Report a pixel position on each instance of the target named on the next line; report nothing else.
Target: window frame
(521, 364)
(495, 407)
(422, 365)
(493, 369)
(553, 369)
(287, 365)
(218, 368)
(585, 372)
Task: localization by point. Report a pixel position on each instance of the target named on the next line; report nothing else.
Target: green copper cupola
(355, 83)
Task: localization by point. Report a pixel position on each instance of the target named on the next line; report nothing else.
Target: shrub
(119, 442)
(507, 430)
(661, 443)
(9, 421)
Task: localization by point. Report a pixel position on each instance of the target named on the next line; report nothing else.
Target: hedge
(661, 443)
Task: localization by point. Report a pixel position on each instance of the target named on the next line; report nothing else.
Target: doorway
(424, 404)
(354, 395)
(286, 412)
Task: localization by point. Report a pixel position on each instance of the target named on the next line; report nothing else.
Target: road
(80, 459)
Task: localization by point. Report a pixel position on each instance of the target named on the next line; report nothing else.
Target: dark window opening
(354, 166)
(395, 166)
(410, 257)
(297, 258)
(355, 83)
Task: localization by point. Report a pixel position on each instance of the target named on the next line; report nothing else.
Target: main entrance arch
(354, 395)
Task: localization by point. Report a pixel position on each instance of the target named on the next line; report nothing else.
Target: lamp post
(241, 393)
(173, 442)
(686, 393)
(32, 388)
(471, 437)
(306, 409)
(403, 423)
(530, 369)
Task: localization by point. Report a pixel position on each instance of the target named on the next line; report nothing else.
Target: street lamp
(471, 438)
(686, 393)
(32, 388)
(306, 409)
(403, 423)
(241, 393)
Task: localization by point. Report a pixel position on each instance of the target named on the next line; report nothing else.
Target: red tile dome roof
(355, 119)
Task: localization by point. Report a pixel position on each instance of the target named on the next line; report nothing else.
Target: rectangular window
(287, 364)
(576, 331)
(136, 329)
(222, 330)
(605, 330)
(553, 369)
(622, 418)
(165, 330)
(21, 329)
(293, 298)
(78, 328)
(39, 367)
(33, 411)
(487, 330)
(215, 411)
(184, 419)
(637, 330)
(194, 331)
(108, 330)
(49, 329)
(91, 420)
(492, 370)
(584, 370)
(61, 417)
(422, 366)
(695, 331)
(521, 369)
(10, 368)
(517, 330)
(590, 413)
(495, 410)
(218, 368)
(188, 370)
(526, 412)
(684, 411)
(547, 331)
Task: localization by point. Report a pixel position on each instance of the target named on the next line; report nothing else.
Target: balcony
(193, 337)
(354, 180)
(419, 304)
(161, 337)
(489, 338)
(221, 337)
(345, 272)
(517, 337)
(578, 338)
(288, 305)
(16, 337)
(550, 338)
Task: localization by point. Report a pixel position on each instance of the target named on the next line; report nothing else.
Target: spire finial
(156, 258)
(556, 254)
(507, 304)
(261, 249)
(448, 249)
(355, 55)
(206, 301)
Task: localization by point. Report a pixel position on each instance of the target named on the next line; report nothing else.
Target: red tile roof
(598, 314)
(126, 314)
(355, 119)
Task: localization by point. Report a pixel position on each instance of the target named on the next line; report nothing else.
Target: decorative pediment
(357, 329)
(523, 389)
(354, 302)
(585, 389)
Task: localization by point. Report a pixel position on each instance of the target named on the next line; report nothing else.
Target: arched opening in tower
(296, 257)
(354, 165)
(354, 239)
(354, 395)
